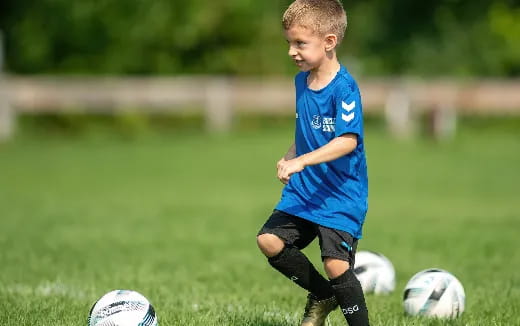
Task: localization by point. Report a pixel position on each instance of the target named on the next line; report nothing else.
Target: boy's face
(307, 49)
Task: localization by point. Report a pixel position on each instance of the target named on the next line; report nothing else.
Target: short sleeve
(349, 113)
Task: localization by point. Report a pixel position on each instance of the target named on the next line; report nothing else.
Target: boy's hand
(286, 168)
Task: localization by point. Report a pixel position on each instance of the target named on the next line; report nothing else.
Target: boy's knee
(270, 244)
(335, 267)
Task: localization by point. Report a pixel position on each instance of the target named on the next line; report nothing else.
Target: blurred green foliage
(243, 37)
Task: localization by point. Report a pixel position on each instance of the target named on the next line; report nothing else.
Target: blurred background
(438, 58)
(138, 143)
(459, 38)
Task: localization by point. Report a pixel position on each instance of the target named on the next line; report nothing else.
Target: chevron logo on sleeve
(348, 108)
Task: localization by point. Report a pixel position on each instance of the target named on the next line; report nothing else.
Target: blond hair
(320, 16)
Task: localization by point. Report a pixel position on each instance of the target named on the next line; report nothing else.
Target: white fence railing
(219, 98)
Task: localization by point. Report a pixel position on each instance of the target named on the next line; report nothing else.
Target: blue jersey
(332, 194)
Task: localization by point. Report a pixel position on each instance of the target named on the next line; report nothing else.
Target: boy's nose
(292, 52)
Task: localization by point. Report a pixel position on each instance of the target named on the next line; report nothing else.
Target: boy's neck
(324, 74)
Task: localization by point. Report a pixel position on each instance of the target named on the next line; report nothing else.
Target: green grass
(175, 218)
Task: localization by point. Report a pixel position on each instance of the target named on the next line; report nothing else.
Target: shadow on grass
(258, 320)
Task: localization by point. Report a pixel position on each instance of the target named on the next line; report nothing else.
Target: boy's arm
(336, 148)
(291, 153)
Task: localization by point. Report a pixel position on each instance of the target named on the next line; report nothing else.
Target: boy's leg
(295, 234)
(338, 250)
(349, 294)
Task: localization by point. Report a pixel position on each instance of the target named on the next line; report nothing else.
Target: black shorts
(300, 233)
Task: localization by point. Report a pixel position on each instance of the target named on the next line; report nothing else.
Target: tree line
(462, 38)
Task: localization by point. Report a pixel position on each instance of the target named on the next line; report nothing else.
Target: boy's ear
(331, 40)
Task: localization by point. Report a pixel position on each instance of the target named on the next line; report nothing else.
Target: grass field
(175, 218)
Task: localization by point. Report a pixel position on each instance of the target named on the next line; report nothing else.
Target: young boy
(324, 170)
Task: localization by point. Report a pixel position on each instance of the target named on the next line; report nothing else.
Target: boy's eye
(296, 43)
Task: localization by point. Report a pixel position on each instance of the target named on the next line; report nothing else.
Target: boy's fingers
(283, 180)
(280, 161)
(282, 175)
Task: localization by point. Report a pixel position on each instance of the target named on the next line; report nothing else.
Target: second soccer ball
(375, 272)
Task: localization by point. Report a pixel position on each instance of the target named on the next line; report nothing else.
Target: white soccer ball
(122, 308)
(434, 293)
(375, 272)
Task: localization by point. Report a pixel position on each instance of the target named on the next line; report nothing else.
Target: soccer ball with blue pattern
(375, 272)
(122, 308)
(434, 293)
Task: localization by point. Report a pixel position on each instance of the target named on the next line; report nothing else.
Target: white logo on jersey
(329, 124)
(348, 108)
(347, 117)
(316, 122)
